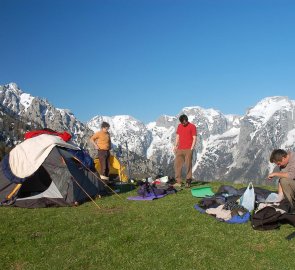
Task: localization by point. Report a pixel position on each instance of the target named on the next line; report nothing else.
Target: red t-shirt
(186, 134)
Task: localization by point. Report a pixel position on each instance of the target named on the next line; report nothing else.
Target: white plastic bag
(164, 179)
(248, 198)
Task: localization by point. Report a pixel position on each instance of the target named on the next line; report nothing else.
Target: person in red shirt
(186, 136)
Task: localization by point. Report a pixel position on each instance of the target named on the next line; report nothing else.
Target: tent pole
(128, 164)
(14, 191)
(85, 192)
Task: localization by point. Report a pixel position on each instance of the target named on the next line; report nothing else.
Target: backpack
(267, 218)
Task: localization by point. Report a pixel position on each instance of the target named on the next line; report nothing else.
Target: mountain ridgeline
(229, 147)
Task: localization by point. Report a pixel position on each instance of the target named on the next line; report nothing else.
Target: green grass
(163, 234)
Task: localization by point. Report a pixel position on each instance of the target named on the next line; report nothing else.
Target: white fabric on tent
(27, 157)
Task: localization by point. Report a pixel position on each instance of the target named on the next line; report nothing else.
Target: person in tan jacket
(285, 171)
(102, 142)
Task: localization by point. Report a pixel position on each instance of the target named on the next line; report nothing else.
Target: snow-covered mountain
(125, 129)
(41, 112)
(268, 125)
(229, 147)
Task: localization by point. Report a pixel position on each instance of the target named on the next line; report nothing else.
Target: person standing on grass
(102, 142)
(285, 162)
(186, 136)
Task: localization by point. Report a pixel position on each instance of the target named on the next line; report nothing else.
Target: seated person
(285, 171)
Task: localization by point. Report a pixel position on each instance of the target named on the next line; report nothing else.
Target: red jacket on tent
(64, 135)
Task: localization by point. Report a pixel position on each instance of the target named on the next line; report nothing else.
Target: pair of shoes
(188, 183)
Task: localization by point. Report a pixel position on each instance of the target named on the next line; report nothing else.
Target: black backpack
(267, 218)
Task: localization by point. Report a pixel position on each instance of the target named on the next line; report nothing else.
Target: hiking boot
(188, 183)
(177, 185)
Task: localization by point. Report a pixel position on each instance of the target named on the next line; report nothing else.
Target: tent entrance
(35, 184)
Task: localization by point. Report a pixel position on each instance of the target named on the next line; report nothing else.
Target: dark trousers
(104, 160)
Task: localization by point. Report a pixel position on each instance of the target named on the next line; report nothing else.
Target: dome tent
(116, 168)
(38, 174)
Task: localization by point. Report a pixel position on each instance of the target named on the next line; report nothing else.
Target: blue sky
(147, 58)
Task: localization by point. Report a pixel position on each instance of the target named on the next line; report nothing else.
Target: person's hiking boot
(177, 185)
(188, 183)
(103, 177)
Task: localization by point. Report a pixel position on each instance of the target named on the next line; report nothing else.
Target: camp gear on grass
(236, 219)
(248, 198)
(272, 216)
(201, 192)
(266, 219)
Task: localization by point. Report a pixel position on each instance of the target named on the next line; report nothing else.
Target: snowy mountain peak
(190, 108)
(40, 112)
(13, 88)
(233, 120)
(199, 109)
(10, 97)
(169, 118)
(116, 122)
(26, 100)
(66, 112)
(267, 107)
(196, 112)
(151, 125)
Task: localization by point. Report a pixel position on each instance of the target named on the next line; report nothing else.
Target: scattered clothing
(220, 212)
(234, 220)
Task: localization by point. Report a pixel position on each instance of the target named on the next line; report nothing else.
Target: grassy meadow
(163, 234)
